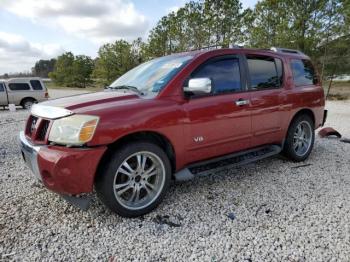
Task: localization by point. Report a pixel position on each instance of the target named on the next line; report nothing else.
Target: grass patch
(52, 85)
(339, 90)
(337, 97)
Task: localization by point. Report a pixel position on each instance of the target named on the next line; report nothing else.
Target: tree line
(319, 28)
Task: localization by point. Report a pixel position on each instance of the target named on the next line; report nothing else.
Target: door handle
(241, 102)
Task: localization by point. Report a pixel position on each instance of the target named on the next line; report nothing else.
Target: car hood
(92, 103)
(77, 103)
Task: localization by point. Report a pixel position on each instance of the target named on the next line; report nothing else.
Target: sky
(31, 30)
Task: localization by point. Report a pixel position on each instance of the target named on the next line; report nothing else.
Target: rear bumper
(68, 171)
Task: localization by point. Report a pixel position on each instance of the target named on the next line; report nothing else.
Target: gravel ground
(272, 210)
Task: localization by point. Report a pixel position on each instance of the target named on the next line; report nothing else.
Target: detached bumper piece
(328, 131)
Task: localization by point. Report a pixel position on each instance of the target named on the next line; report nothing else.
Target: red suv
(170, 118)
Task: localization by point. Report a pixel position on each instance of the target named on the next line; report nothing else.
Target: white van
(22, 91)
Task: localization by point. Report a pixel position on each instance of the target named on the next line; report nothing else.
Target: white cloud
(96, 20)
(173, 9)
(18, 55)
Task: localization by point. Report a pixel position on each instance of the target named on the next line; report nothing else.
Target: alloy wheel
(139, 180)
(302, 138)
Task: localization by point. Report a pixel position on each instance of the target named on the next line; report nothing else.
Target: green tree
(267, 25)
(346, 12)
(197, 25)
(303, 25)
(42, 68)
(82, 70)
(312, 26)
(196, 33)
(72, 71)
(63, 71)
(223, 22)
(116, 59)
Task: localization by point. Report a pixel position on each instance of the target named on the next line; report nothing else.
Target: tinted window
(19, 86)
(36, 84)
(224, 74)
(279, 67)
(264, 73)
(2, 87)
(303, 72)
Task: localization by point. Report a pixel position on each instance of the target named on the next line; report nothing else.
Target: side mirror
(199, 85)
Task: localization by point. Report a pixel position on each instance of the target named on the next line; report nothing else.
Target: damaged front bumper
(67, 171)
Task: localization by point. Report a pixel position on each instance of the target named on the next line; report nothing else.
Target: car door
(3, 95)
(266, 85)
(218, 123)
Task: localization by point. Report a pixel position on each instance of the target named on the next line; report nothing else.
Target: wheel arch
(285, 150)
(27, 97)
(149, 136)
(304, 111)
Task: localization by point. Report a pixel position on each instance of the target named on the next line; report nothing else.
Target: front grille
(41, 132)
(31, 125)
(37, 129)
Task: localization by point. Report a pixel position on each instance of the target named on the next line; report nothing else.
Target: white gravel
(272, 210)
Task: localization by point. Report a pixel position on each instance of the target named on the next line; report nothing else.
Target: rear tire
(300, 138)
(28, 103)
(135, 179)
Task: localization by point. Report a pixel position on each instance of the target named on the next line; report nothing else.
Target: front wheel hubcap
(302, 138)
(139, 180)
(28, 105)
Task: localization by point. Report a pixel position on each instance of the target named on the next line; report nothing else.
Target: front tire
(135, 179)
(28, 103)
(300, 138)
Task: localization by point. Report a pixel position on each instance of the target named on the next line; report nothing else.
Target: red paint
(69, 170)
(224, 126)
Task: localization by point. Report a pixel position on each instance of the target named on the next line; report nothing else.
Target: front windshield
(152, 76)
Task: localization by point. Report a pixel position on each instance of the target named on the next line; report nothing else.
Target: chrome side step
(232, 160)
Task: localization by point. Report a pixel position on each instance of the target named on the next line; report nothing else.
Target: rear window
(19, 86)
(303, 72)
(2, 87)
(36, 84)
(265, 72)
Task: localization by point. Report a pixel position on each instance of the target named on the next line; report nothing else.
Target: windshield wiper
(133, 88)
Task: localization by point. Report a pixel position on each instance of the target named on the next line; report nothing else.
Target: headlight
(73, 130)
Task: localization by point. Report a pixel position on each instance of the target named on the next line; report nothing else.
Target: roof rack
(286, 50)
(213, 47)
(236, 46)
(208, 47)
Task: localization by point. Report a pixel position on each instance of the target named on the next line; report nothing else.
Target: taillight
(46, 94)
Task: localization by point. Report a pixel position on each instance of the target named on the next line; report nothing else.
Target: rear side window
(36, 84)
(2, 87)
(303, 72)
(224, 74)
(265, 72)
(19, 86)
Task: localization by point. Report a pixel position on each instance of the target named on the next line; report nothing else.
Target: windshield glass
(153, 75)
